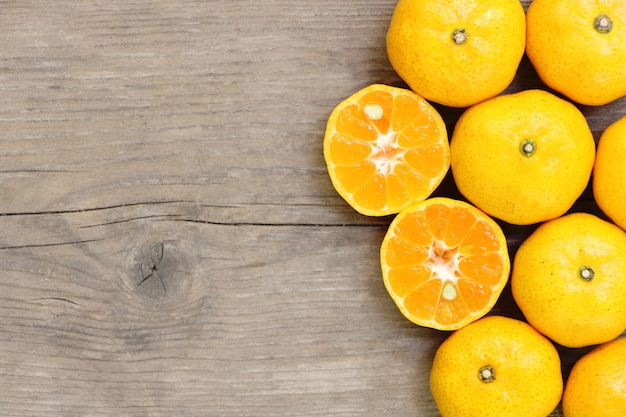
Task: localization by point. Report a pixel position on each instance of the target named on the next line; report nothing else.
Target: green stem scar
(459, 36)
(586, 273)
(602, 23)
(527, 147)
(487, 374)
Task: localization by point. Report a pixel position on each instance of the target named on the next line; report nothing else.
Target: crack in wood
(285, 224)
(64, 300)
(130, 220)
(45, 245)
(90, 209)
(150, 265)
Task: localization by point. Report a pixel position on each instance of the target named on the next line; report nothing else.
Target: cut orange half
(444, 263)
(385, 148)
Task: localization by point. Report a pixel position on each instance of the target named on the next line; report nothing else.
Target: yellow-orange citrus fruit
(444, 263)
(569, 280)
(523, 158)
(578, 47)
(496, 366)
(385, 148)
(609, 174)
(596, 385)
(457, 53)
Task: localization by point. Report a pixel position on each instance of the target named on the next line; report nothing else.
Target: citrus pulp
(444, 263)
(385, 148)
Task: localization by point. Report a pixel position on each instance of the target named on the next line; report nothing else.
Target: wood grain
(170, 243)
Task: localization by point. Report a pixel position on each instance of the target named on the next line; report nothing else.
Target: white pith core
(386, 153)
(444, 262)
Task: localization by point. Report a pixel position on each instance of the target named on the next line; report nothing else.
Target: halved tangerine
(385, 148)
(444, 263)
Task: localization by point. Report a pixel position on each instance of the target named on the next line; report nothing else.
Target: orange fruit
(523, 158)
(385, 148)
(609, 175)
(457, 53)
(578, 47)
(496, 366)
(569, 280)
(444, 263)
(596, 386)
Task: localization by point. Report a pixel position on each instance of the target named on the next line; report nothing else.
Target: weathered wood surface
(170, 244)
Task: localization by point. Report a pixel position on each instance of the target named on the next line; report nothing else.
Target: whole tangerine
(596, 386)
(523, 158)
(578, 47)
(496, 366)
(457, 53)
(609, 175)
(569, 280)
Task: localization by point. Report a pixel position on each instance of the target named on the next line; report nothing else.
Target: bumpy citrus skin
(596, 385)
(492, 171)
(609, 175)
(569, 280)
(527, 367)
(422, 49)
(574, 58)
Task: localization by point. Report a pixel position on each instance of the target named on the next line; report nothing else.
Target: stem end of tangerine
(603, 23)
(487, 374)
(527, 147)
(459, 36)
(586, 273)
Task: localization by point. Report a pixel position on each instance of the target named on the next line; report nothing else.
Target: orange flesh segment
(444, 264)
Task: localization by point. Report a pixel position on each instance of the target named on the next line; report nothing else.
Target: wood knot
(161, 270)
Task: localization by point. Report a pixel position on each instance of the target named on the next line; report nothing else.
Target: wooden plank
(129, 102)
(227, 320)
(170, 243)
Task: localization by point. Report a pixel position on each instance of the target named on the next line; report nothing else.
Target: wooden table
(170, 242)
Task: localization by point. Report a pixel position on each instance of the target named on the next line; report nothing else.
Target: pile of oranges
(519, 159)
